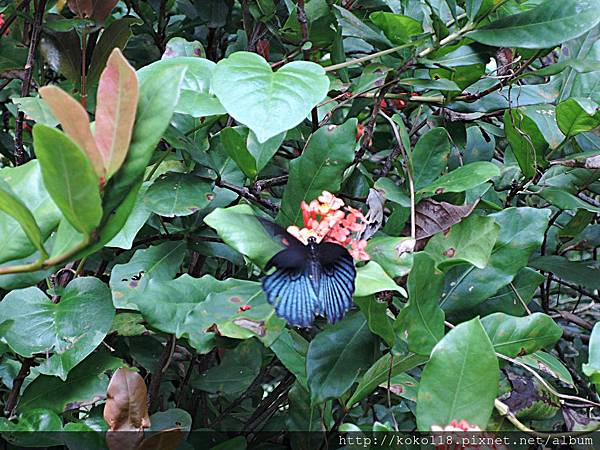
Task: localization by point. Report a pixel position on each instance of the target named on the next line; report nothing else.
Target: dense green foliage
(140, 138)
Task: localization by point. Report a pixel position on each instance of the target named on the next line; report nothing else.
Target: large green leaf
(514, 336)
(562, 199)
(135, 221)
(460, 381)
(337, 355)
(584, 273)
(462, 179)
(239, 229)
(291, 348)
(37, 427)
(521, 232)
(129, 281)
(371, 278)
(430, 157)
(382, 250)
(70, 329)
(592, 367)
(547, 25)
(320, 168)
(548, 364)
(268, 102)
(577, 115)
(236, 148)
(235, 373)
(377, 317)
(177, 194)
(397, 28)
(85, 383)
(421, 321)
(159, 93)
(13, 206)
(68, 177)
(387, 365)
(526, 141)
(469, 241)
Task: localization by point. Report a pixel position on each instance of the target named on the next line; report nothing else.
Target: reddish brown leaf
(75, 123)
(102, 8)
(163, 440)
(81, 8)
(126, 407)
(115, 110)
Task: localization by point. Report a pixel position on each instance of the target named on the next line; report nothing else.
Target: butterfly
(310, 280)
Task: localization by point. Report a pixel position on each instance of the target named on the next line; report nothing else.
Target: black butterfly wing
(336, 281)
(292, 294)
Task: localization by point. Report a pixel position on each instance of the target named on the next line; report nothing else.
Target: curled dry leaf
(433, 217)
(126, 409)
(374, 216)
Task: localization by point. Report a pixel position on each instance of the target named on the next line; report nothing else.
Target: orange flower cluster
(466, 436)
(327, 218)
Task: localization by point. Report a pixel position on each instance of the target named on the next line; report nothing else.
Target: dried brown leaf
(126, 406)
(433, 216)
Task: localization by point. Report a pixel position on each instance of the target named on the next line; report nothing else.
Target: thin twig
(409, 174)
(20, 157)
(245, 193)
(161, 367)
(11, 402)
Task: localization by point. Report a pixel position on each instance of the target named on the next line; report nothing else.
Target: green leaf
(387, 365)
(421, 321)
(69, 178)
(512, 336)
(321, 167)
(430, 157)
(177, 194)
(376, 313)
(469, 241)
(548, 364)
(382, 250)
(129, 281)
(135, 221)
(462, 179)
(521, 232)
(526, 141)
(549, 24)
(371, 278)
(159, 93)
(12, 54)
(583, 273)
(565, 200)
(238, 368)
(398, 29)
(179, 46)
(239, 229)
(268, 103)
(577, 115)
(291, 348)
(235, 147)
(37, 109)
(85, 383)
(37, 427)
(439, 84)
(592, 368)
(337, 355)
(14, 207)
(466, 362)
(70, 329)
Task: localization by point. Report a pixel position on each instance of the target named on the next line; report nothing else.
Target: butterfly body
(312, 279)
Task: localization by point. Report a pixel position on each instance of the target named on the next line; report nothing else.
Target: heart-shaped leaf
(178, 194)
(71, 329)
(268, 102)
